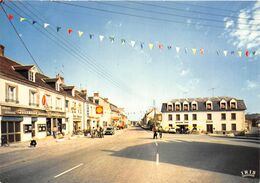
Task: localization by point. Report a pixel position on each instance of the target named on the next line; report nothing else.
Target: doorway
(209, 128)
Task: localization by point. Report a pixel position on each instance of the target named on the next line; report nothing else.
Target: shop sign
(99, 110)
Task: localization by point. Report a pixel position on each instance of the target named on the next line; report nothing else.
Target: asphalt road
(133, 156)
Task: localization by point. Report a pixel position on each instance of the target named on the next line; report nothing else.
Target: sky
(133, 77)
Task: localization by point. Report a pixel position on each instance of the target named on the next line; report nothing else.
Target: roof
(7, 70)
(202, 103)
(23, 67)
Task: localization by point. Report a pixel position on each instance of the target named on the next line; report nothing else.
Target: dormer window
(31, 76)
(233, 104)
(177, 107)
(209, 105)
(223, 104)
(169, 107)
(194, 107)
(185, 107)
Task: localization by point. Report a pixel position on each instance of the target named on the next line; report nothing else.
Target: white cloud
(242, 30)
(185, 72)
(251, 84)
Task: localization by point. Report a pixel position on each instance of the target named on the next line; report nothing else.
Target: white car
(172, 130)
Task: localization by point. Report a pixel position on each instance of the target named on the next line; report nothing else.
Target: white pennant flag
(46, 25)
(101, 37)
(177, 49)
(132, 43)
(225, 52)
(80, 33)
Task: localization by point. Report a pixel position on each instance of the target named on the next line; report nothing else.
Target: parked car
(172, 130)
(110, 131)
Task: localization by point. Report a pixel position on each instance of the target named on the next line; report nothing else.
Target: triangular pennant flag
(217, 52)
(232, 52)
(132, 43)
(160, 46)
(177, 49)
(253, 52)
(186, 50)
(142, 45)
(58, 29)
(225, 52)
(169, 47)
(101, 37)
(202, 51)
(70, 30)
(247, 53)
(10, 16)
(239, 53)
(150, 46)
(123, 41)
(22, 19)
(45, 25)
(194, 50)
(112, 39)
(34, 22)
(80, 33)
(91, 36)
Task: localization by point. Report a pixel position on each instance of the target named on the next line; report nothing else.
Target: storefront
(22, 124)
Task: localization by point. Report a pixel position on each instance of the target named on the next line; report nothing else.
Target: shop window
(233, 116)
(10, 131)
(27, 128)
(170, 125)
(223, 116)
(234, 127)
(209, 117)
(194, 126)
(170, 117)
(186, 117)
(223, 126)
(41, 127)
(194, 116)
(63, 126)
(178, 118)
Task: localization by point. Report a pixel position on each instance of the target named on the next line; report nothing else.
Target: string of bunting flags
(134, 43)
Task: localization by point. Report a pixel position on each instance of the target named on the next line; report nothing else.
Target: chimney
(96, 94)
(106, 99)
(2, 50)
(84, 94)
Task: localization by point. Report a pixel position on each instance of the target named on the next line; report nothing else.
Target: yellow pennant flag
(80, 33)
(22, 19)
(239, 53)
(150, 46)
(194, 50)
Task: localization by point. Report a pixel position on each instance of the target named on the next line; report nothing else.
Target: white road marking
(157, 158)
(156, 144)
(68, 170)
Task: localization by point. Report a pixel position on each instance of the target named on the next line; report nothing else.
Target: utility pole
(154, 116)
(213, 89)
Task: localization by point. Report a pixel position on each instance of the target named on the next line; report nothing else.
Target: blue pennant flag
(91, 36)
(58, 29)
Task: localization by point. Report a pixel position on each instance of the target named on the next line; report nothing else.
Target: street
(131, 156)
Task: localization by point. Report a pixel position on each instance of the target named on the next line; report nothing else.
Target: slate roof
(202, 104)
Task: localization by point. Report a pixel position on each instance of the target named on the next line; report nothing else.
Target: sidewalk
(235, 137)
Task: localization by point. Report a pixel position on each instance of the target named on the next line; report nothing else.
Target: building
(151, 117)
(93, 119)
(209, 114)
(253, 124)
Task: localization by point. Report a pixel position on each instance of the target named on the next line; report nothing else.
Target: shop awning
(12, 118)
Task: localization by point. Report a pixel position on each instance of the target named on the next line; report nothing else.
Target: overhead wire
(22, 41)
(144, 17)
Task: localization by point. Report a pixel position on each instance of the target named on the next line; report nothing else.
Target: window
(48, 101)
(223, 116)
(41, 127)
(67, 105)
(58, 103)
(79, 109)
(57, 86)
(209, 106)
(97, 101)
(11, 93)
(170, 117)
(233, 105)
(223, 105)
(11, 131)
(178, 107)
(63, 126)
(233, 127)
(185, 107)
(194, 127)
(27, 128)
(223, 127)
(178, 118)
(194, 107)
(186, 117)
(209, 116)
(33, 98)
(73, 108)
(194, 116)
(31, 76)
(170, 125)
(233, 116)
(169, 108)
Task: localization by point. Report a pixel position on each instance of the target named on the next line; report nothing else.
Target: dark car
(109, 131)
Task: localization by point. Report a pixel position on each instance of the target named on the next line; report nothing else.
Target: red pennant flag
(247, 53)
(10, 16)
(70, 30)
(160, 46)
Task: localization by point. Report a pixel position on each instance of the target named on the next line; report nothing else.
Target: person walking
(160, 132)
(54, 132)
(154, 133)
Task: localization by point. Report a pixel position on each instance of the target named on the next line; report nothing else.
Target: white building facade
(211, 115)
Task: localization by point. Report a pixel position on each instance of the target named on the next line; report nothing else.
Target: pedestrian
(33, 143)
(160, 132)
(154, 133)
(54, 132)
(93, 132)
